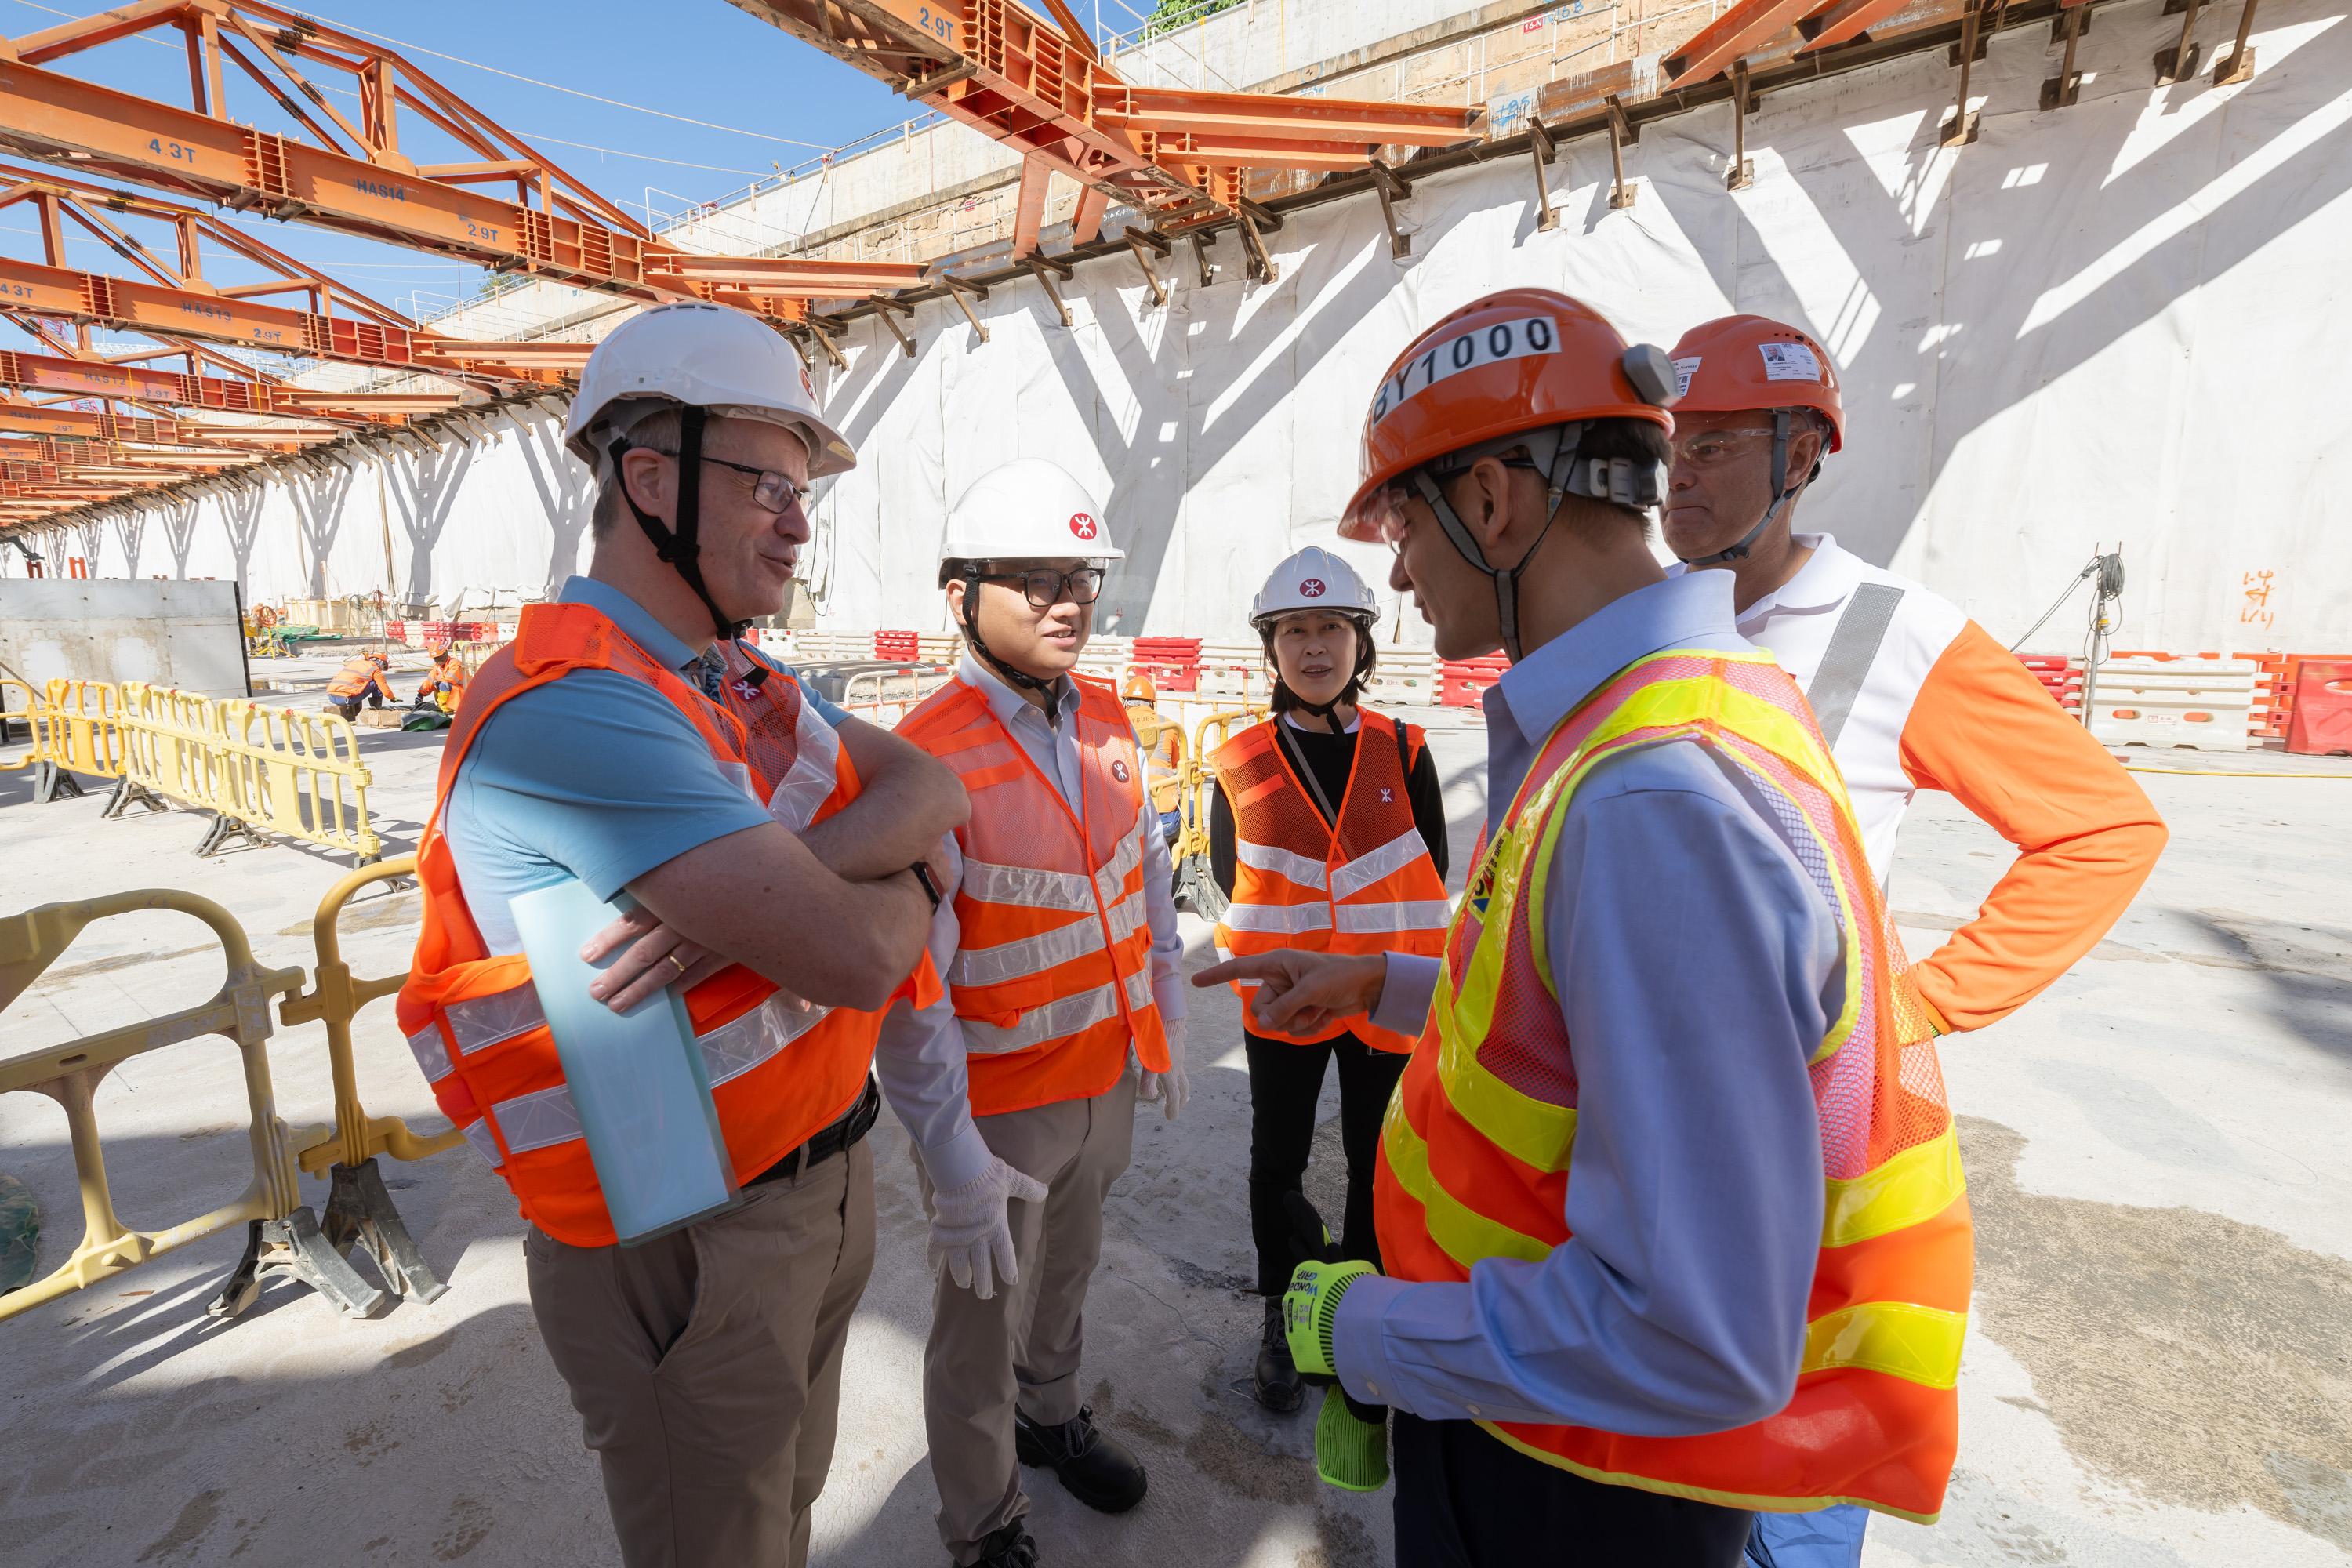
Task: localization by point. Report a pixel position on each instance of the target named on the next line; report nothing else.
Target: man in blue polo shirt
(706, 1363)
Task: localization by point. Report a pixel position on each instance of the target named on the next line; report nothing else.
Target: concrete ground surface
(2159, 1368)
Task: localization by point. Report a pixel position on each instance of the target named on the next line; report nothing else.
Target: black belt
(828, 1141)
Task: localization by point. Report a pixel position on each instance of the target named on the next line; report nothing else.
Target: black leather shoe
(1096, 1468)
(1010, 1547)
(1279, 1386)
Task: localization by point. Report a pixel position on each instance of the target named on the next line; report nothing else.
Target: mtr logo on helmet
(1311, 589)
(1083, 525)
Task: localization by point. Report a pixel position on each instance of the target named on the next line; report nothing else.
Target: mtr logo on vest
(1311, 589)
(1083, 525)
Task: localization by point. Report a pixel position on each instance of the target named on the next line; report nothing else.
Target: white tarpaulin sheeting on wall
(2109, 325)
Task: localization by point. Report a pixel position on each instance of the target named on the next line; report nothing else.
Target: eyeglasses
(770, 491)
(1045, 587)
(1715, 448)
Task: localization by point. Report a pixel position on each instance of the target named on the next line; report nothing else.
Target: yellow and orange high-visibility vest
(1366, 886)
(474, 1021)
(1475, 1154)
(1052, 976)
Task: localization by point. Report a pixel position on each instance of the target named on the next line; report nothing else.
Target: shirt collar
(1549, 683)
(1005, 702)
(636, 623)
(1826, 578)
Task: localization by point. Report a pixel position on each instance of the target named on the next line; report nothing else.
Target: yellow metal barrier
(359, 1209)
(258, 770)
(73, 730)
(298, 774)
(1196, 883)
(883, 697)
(19, 705)
(282, 1236)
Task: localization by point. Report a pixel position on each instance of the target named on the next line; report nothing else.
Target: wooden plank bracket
(963, 294)
(1042, 268)
(1392, 188)
(1135, 245)
(2179, 62)
(1960, 126)
(1260, 265)
(1621, 131)
(1201, 256)
(2238, 65)
(886, 309)
(2060, 91)
(1742, 172)
(1542, 151)
(822, 336)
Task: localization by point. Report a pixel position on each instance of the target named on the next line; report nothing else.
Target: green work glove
(1311, 1306)
(1351, 1443)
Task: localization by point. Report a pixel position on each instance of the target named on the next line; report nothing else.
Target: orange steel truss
(355, 179)
(1179, 156)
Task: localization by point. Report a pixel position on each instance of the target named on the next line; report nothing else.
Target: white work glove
(970, 1231)
(1171, 1088)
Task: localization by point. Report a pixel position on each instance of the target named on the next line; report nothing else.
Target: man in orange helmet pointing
(1911, 694)
(1668, 1196)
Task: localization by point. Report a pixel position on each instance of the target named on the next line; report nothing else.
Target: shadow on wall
(180, 526)
(318, 500)
(424, 486)
(567, 494)
(241, 511)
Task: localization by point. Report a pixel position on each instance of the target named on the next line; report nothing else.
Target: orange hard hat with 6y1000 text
(1520, 360)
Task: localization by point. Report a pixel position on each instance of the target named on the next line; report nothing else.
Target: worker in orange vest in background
(445, 683)
(1327, 832)
(1911, 694)
(1057, 934)
(1669, 1197)
(362, 678)
(1161, 742)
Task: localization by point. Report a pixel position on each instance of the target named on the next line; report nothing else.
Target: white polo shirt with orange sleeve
(1913, 695)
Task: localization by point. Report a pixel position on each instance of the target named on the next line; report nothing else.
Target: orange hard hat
(1734, 364)
(1519, 361)
(1138, 688)
(379, 658)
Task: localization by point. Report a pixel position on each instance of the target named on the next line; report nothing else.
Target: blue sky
(769, 99)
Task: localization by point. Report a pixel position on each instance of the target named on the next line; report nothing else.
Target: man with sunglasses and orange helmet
(1057, 933)
(1911, 694)
(1668, 1198)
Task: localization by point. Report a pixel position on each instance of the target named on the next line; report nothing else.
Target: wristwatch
(923, 875)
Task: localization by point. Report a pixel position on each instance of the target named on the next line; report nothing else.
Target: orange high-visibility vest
(356, 676)
(446, 681)
(1367, 887)
(474, 1021)
(1052, 976)
(1475, 1154)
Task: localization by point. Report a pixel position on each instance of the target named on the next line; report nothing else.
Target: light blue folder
(637, 1079)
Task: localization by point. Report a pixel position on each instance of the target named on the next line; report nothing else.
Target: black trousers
(1285, 1080)
(1466, 1499)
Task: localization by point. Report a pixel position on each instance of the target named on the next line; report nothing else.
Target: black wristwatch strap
(923, 875)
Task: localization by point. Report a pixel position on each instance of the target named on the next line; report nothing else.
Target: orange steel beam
(89, 378)
(1004, 70)
(27, 288)
(1029, 204)
(1732, 35)
(356, 180)
(1848, 19)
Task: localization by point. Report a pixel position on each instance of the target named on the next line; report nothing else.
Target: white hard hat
(1313, 579)
(727, 361)
(1027, 509)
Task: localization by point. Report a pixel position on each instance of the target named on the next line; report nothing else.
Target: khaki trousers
(1022, 1344)
(705, 1364)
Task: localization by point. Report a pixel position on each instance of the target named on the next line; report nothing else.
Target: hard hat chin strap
(681, 548)
(1780, 498)
(1020, 680)
(1559, 482)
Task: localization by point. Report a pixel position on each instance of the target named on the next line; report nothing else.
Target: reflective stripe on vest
(1052, 977)
(1477, 1146)
(1367, 885)
(473, 1019)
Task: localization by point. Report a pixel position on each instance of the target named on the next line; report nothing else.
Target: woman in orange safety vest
(1326, 832)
